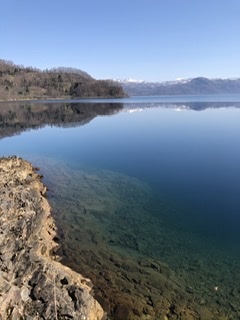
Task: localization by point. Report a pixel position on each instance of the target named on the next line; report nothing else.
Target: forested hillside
(18, 82)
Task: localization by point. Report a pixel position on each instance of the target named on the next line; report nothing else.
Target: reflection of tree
(15, 117)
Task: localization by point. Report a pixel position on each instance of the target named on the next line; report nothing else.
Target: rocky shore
(33, 283)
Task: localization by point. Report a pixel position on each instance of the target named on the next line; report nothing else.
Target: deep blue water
(189, 158)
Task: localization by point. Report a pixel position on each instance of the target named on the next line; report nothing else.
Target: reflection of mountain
(15, 117)
(211, 105)
(18, 117)
(179, 106)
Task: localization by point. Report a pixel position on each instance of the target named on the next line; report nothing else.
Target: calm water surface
(156, 181)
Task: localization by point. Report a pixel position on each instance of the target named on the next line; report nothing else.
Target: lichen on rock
(33, 283)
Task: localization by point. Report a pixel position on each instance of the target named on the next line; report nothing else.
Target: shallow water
(146, 201)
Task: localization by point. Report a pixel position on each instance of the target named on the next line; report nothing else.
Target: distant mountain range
(199, 85)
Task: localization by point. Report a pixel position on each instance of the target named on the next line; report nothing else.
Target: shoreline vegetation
(52, 100)
(33, 283)
(28, 83)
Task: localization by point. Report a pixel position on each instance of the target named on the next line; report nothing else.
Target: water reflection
(147, 203)
(18, 117)
(197, 106)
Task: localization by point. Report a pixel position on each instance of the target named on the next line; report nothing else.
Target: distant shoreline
(174, 98)
(68, 99)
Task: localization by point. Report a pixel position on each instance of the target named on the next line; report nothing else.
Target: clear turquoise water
(173, 169)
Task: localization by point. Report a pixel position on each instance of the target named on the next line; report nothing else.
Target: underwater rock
(100, 215)
(33, 283)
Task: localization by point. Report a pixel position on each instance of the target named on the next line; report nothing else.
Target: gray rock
(33, 285)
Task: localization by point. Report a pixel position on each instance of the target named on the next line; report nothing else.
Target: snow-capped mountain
(198, 85)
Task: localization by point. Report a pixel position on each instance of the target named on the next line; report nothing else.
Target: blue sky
(142, 39)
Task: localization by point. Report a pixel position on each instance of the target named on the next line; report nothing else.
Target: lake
(145, 194)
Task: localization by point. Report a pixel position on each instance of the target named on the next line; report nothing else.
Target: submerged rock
(33, 283)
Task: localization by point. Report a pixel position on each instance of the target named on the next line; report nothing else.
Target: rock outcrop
(33, 283)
